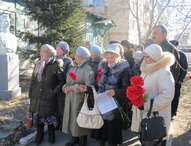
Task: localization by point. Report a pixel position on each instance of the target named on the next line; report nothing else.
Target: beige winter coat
(73, 99)
(159, 84)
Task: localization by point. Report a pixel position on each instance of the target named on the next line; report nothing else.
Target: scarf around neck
(40, 67)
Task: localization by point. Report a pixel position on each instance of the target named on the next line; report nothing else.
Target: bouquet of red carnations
(136, 93)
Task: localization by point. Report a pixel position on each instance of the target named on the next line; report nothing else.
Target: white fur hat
(50, 51)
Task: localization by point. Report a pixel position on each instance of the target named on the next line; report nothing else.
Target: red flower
(99, 70)
(138, 102)
(190, 77)
(73, 76)
(134, 92)
(98, 78)
(137, 80)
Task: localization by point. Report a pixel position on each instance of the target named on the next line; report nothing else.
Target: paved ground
(129, 139)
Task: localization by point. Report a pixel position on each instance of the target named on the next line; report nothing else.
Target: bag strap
(151, 106)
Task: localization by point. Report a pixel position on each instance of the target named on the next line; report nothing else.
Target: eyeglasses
(146, 56)
(77, 56)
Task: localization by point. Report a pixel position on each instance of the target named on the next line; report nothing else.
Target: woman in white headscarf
(159, 85)
(46, 83)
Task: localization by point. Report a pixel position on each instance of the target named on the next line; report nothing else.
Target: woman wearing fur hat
(61, 53)
(115, 78)
(159, 85)
(84, 75)
(46, 83)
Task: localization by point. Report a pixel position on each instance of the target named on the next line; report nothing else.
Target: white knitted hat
(154, 51)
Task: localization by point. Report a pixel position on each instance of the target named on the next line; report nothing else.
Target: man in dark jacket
(183, 72)
(159, 35)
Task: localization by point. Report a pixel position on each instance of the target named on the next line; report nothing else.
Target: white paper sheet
(105, 103)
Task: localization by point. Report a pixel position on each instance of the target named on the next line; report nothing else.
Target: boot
(102, 143)
(83, 141)
(51, 134)
(40, 134)
(73, 141)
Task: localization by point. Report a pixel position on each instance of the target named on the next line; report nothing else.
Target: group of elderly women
(51, 76)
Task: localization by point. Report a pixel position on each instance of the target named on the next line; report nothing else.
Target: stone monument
(9, 62)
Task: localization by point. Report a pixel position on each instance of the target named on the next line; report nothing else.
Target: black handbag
(152, 129)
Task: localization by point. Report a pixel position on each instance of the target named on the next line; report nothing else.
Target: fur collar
(166, 61)
(60, 62)
(119, 67)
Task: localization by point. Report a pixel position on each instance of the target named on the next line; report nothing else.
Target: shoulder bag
(152, 129)
(90, 118)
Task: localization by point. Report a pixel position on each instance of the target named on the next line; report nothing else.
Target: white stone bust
(8, 41)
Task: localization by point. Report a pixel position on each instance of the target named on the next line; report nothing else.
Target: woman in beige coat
(158, 83)
(74, 96)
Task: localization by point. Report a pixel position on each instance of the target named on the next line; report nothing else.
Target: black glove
(141, 108)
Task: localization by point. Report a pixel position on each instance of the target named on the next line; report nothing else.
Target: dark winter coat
(184, 66)
(94, 65)
(129, 57)
(135, 71)
(43, 94)
(175, 68)
(116, 78)
(68, 62)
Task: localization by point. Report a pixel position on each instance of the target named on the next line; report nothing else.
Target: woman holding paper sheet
(115, 78)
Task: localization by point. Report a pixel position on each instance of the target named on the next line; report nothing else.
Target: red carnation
(134, 92)
(137, 80)
(138, 102)
(98, 78)
(73, 76)
(99, 70)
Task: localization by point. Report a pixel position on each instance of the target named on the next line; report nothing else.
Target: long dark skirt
(111, 131)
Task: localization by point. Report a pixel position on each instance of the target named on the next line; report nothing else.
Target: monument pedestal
(9, 76)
